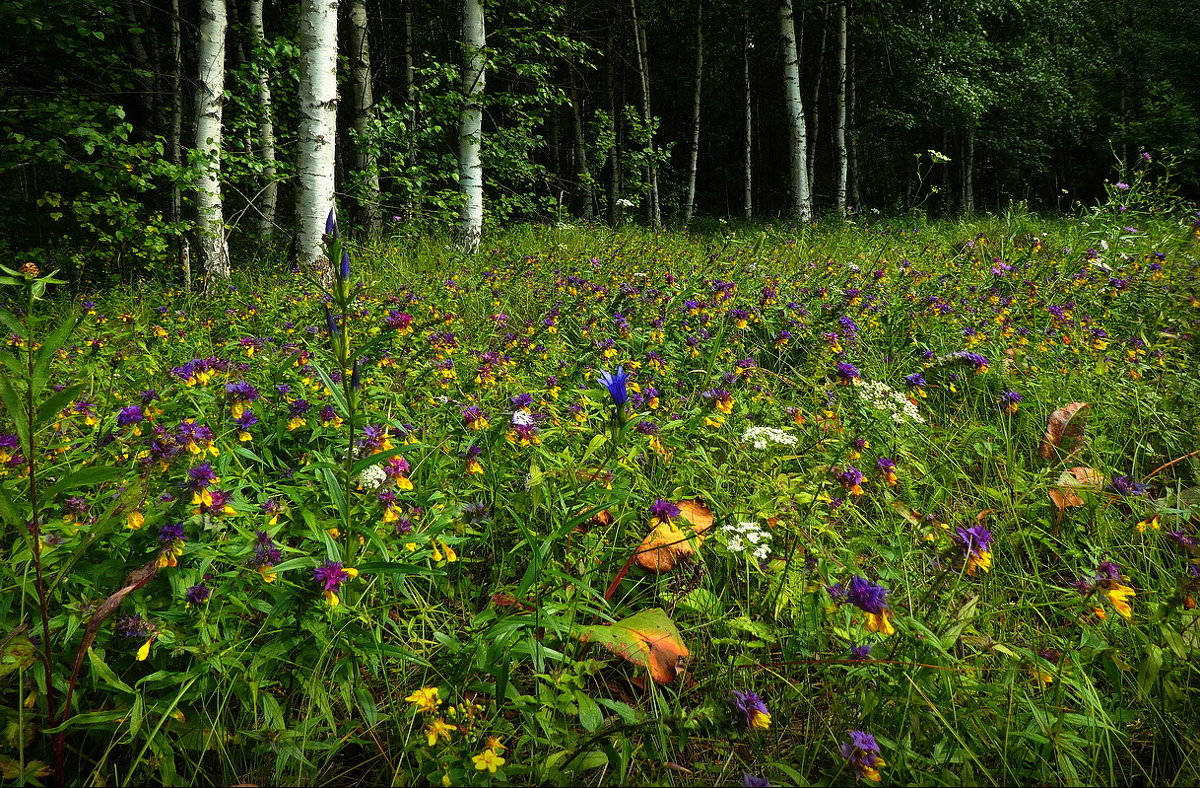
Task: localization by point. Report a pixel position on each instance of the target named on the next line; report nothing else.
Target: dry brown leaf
(1065, 429)
(649, 638)
(669, 544)
(699, 515)
(1072, 479)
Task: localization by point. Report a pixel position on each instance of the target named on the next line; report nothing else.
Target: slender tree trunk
(969, 173)
(852, 137)
(801, 198)
(470, 127)
(815, 104)
(210, 87)
(583, 172)
(266, 124)
(410, 103)
(175, 142)
(653, 209)
(362, 90)
(748, 140)
(843, 158)
(318, 130)
(695, 160)
(614, 110)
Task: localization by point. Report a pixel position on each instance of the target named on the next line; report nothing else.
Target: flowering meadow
(891, 503)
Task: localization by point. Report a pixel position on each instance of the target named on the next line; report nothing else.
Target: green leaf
(590, 716)
(50, 408)
(17, 654)
(649, 639)
(12, 404)
(83, 478)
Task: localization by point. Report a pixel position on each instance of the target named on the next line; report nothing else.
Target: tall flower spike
(331, 228)
(344, 270)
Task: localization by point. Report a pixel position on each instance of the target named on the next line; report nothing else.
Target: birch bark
(318, 130)
(210, 87)
(470, 127)
(266, 125)
(801, 198)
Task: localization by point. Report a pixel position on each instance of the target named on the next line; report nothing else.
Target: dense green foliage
(380, 534)
(1040, 100)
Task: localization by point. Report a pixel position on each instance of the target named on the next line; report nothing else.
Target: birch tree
(363, 95)
(318, 129)
(266, 126)
(801, 197)
(470, 126)
(839, 131)
(210, 87)
(690, 205)
(748, 122)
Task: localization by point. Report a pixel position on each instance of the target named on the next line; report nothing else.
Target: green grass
(266, 682)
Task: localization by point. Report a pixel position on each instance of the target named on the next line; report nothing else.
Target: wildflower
(266, 555)
(862, 752)
(426, 699)
(131, 416)
(721, 399)
(748, 535)
(872, 600)
(1011, 401)
(474, 419)
(852, 480)
(1151, 521)
(753, 709)
(1109, 581)
(438, 729)
(471, 457)
(1123, 485)
(296, 410)
(663, 511)
(887, 467)
(396, 470)
(617, 384)
(330, 576)
(372, 477)
(916, 384)
(762, 437)
(892, 403)
(197, 594)
(172, 538)
(848, 374)
(489, 759)
(860, 653)
(977, 541)
(754, 781)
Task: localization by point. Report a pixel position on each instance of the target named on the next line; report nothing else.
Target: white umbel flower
(762, 437)
(372, 478)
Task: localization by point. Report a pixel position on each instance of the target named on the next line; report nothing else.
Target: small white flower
(372, 477)
(523, 418)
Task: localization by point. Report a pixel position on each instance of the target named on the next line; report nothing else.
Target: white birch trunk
(266, 125)
(801, 203)
(843, 165)
(318, 130)
(969, 174)
(690, 206)
(210, 86)
(364, 114)
(748, 142)
(470, 126)
(654, 209)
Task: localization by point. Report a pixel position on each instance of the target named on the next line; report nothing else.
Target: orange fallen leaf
(649, 639)
(1065, 496)
(1065, 429)
(669, 544)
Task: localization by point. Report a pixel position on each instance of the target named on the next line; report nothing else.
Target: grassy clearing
(493, 503)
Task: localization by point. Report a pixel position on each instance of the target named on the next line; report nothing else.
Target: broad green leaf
(649, 639)
(17, 654)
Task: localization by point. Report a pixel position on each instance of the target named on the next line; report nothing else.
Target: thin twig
(1166, 465)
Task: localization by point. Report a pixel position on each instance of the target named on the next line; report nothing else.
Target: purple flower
(130, 415)
(171, 532)
(617, 385)
(754, 781)
(860, 652)
(862, 752)
(330, 575)
(847, 372)
(663, 510)
(1121, 186)
(867, 596)
(197, 594)
(1124, 485)
(753, 709)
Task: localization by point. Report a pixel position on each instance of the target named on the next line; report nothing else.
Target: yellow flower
(494, 743)
(878, 622)
(488, 759)
(1119, 596)
(143, 653)
(135, 520)
(438, 729)
(1149, 522)
(426, 699)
